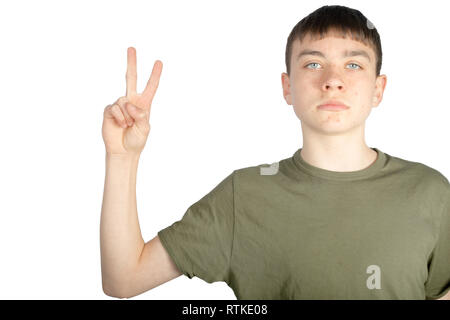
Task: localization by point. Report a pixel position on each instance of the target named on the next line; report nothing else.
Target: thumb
(140, 116)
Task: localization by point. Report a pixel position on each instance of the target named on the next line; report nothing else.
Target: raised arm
(128, 265)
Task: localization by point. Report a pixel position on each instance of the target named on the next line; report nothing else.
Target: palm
(123, 140)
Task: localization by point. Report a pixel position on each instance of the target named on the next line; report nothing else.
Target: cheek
(360, 94)
(305, 89)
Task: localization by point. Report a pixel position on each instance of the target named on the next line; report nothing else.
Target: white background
(219, 107)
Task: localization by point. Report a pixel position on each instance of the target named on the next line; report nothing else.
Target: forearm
(121, 240)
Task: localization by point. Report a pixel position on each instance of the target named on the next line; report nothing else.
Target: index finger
(131, 75)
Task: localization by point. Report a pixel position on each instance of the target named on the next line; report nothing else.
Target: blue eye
(355, 65)
(359, 67)
(311, 63)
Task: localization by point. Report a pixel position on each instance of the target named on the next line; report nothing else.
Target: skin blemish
(334, 118)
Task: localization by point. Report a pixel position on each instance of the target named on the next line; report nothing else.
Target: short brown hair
(339, 18)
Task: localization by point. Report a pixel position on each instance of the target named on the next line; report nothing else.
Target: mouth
(333, 106)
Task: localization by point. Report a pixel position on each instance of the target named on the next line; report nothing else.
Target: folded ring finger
(122, 101)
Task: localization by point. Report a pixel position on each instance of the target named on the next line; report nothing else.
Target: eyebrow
(346, 53)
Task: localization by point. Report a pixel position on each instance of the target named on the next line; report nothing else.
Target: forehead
(332, 44)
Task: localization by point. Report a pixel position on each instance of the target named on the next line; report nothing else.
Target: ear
(285, 83)
(380, 85)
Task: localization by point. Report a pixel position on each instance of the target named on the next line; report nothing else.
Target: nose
(333, 81)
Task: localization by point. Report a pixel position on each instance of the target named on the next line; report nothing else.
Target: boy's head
(327, 73)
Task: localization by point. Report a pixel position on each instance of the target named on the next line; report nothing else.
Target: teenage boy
(337, 220)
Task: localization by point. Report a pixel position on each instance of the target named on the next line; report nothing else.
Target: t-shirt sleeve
(438, 282)
(200, 243)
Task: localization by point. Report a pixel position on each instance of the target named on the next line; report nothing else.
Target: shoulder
(419, 171)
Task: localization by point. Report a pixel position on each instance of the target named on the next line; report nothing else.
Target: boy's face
(315, 80)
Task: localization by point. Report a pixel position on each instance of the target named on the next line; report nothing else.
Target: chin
(331, 125)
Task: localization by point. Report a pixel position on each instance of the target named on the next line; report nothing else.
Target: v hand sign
(126, 122)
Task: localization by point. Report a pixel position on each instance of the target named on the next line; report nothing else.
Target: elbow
(114, 291)
(115, 294)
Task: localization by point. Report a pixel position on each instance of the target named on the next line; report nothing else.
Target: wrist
(122, 157)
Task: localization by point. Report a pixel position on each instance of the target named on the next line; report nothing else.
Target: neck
(339, 152)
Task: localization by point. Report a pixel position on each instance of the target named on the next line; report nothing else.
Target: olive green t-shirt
(290, 230)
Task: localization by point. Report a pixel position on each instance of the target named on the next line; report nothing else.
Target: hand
(126, 122)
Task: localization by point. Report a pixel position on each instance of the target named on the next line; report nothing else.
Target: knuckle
(122, 100)
(107, 108)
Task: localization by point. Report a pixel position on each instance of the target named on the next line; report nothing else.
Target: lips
(333, 105)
